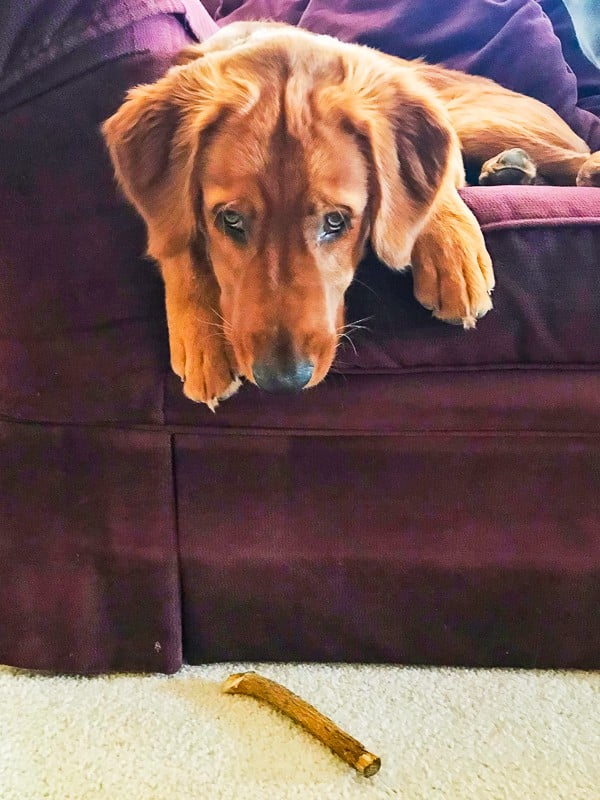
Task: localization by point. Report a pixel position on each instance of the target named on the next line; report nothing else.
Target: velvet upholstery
(435, 500)
(417, 548)
(88, 550)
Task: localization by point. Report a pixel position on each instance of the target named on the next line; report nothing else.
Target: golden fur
(244, 158)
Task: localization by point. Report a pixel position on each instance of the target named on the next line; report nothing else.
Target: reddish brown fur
(284, 127)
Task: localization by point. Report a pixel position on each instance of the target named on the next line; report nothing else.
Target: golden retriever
(264, 161)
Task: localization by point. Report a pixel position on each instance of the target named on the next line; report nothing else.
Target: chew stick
(342, 744)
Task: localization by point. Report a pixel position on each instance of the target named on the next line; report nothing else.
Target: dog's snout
(288, 377)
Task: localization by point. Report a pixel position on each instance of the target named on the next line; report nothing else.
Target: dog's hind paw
(589, 174)
(510, 167)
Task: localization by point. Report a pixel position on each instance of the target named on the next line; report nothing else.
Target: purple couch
(436, 500)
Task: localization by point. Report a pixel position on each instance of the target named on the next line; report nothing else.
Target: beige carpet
(456, 734)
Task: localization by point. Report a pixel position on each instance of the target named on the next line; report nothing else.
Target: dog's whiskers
(218, 325)
(221, 333)
(368, 288)
(353, 328)
(344, 331)
(225, 324)
(218, 336)
(356, 325)
(346, 336)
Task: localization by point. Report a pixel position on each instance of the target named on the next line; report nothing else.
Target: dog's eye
(233, 224)
(233, 220)
(334, 224)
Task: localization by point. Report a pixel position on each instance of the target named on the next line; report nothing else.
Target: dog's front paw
(452, 269)
(202, 359)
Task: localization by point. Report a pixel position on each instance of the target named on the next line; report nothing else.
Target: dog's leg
(200, 353)
(589, 173)
(452, 269)
(521, 122)
(490, 119)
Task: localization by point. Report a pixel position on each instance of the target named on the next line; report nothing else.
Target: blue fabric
(586, 20)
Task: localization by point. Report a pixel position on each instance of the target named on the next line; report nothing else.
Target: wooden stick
(342, 744)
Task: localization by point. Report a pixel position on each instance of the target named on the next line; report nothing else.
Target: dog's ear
(152, 164)
(409, 143)
(154, 140)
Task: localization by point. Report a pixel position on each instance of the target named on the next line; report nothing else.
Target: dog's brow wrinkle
(284, 188)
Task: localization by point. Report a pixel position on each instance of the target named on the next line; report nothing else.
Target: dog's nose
(290, 377)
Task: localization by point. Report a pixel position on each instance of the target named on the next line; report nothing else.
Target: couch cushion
(468, 549)
(89, 573)
(545, 245)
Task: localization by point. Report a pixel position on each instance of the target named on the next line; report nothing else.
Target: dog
(267, 158)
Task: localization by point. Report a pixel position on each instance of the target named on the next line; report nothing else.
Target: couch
(436, 500)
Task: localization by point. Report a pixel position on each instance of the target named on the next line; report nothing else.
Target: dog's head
(273, 155)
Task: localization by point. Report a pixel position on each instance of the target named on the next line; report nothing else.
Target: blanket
(525, 45)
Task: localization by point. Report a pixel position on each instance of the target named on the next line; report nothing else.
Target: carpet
(441, 733)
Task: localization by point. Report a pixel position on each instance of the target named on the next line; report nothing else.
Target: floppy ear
(152, 164)
(154, 140)
(409, 142)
